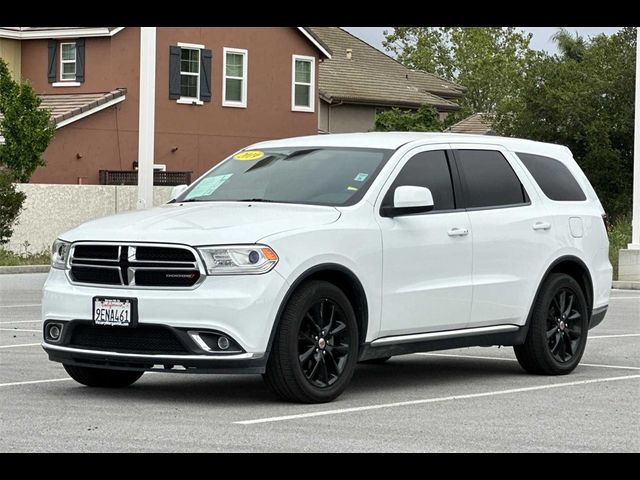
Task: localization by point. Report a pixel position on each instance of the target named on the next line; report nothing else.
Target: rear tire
(376, 361)
(102, 377)
(315, 349)
(558, 328)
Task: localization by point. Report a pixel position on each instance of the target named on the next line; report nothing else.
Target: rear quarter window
(553, 177)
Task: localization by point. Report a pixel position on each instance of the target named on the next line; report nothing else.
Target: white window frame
(312, 90)
(191, 100)
(245, 78)
(74, 61)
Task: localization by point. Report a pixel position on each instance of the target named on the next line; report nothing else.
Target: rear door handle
(541, 226)
(458, 232)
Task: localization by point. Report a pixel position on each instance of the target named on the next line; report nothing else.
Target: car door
(427, 283)
(512, 234)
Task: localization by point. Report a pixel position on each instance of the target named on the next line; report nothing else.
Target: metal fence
(164, 179)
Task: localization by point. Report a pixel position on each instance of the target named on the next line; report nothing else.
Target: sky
(541, 35)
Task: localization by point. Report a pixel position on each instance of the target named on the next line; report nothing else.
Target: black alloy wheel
(558, 327)
(315, 349)
(323, 343)
(564, 325)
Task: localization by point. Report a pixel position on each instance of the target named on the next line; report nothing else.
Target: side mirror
(408, 200)
(177, 191)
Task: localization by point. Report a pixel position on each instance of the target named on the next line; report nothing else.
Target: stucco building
(217, 90)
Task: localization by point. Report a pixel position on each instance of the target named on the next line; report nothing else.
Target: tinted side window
(490, 180)
(553, 177)
(427, 169)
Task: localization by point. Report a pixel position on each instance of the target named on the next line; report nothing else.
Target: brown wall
(203, 135)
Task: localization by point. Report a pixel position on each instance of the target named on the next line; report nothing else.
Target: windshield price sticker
(249, 155)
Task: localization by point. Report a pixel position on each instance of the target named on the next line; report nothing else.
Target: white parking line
(21, 306)
(31, 382)
(432, 400)
(18, 330)
(21, 345)
(625, 298)
(592, 337)
(502, 359)
(20, 321)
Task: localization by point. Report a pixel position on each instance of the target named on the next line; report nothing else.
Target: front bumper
(235, 363)
(242, 307)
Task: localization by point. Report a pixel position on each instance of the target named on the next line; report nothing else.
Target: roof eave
(387, 103)
(319, 44)
(71, 33)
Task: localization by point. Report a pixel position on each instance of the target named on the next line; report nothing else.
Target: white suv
(298, 258)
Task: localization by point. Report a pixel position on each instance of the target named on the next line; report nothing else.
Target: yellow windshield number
(249, 155)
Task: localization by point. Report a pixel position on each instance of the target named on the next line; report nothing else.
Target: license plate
(116, 312)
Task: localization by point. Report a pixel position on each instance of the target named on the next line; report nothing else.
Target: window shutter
(205, 75)
(174, 72)
(80, 60)
(53, 63)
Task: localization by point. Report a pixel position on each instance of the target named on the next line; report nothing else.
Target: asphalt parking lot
(475, 399)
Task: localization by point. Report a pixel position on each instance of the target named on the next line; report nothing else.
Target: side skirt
(506, 335)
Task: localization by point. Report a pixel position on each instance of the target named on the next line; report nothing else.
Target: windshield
(317, 176)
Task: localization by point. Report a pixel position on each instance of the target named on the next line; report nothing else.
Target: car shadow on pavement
(416, 372)
(398, 374)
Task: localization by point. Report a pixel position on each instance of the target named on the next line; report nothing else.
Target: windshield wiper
(256, 200)
(191, 200)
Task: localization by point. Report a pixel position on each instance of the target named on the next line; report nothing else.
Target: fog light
(54, 331)
(223, 343)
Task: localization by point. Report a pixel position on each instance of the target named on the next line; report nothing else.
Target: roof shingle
(66, 105)
(373, 77)
(478, 123)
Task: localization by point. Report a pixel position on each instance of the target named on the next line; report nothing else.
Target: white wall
(50, 210)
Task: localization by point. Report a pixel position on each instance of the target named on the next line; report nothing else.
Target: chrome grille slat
(128, 266)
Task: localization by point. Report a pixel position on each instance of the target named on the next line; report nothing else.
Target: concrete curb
(25, 269)
(626, 285)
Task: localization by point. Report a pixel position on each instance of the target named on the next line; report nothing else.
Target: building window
(68, 62)
(234, 86)
(190, 73)
(303, 84)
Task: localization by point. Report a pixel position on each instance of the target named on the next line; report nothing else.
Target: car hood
(207, 223)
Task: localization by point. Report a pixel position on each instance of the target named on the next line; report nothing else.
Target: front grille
(99, 276)
(146, 339)
(133, 265)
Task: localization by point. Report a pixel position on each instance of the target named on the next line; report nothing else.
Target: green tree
(570, 46)
(27, 131)
(488, 61)
(10, 205)
(424, 119)
(583, 98)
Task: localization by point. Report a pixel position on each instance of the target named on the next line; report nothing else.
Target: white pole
(146, 116)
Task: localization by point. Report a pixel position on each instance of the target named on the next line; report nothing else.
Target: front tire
(557, 334)
(102, 377)
(316, 345)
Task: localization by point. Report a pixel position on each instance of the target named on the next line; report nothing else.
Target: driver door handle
(541, 226)
(458, 232)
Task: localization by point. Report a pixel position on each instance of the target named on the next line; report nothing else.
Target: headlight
(238, 260)
(59, 253)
